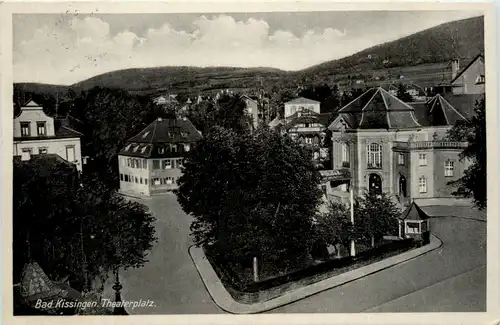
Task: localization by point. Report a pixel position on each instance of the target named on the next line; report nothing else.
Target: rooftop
(301, 100)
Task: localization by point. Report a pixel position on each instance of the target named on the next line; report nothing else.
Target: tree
(75, 231)
(250, 195)
(378, 216)
(473, 183)
(403, 94)
(334, 226)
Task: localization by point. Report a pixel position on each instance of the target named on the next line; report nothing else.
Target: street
(451, 278)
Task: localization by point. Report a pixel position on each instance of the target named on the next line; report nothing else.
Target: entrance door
(402, 186)
(375, 183)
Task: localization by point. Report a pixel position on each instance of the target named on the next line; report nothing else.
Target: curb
(226, 302)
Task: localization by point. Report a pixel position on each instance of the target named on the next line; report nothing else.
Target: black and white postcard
(298, 162)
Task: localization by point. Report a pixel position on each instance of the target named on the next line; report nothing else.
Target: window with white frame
(422, 159)
(422, 185)
(449, 167)
(187, 147)
(25, 129)
(374, 155)
(401, 159)
(170, 180)
(166, 164)
(309, 140)
(40, 127)
(345, 155)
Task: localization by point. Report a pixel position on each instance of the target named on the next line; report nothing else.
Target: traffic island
(295, 290)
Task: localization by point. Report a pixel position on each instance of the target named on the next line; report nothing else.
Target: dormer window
(480, 79)
(145, 134)
(143, 150)
(40, 127)
(127, 148)
(136, 148)
(161, 150)
(25, 129)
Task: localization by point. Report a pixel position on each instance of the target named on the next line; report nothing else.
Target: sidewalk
(226, 302)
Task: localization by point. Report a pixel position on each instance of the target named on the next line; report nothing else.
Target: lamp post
(353, 248)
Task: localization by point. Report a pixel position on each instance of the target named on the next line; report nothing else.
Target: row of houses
(378, 141)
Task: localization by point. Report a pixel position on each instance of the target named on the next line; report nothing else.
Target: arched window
(374, 155)
(345, 155)
(422, 185)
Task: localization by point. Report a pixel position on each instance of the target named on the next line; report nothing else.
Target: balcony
(374, 166)
(431, 145)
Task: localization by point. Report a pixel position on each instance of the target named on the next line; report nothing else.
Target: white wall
(33, 115)
(54, 146)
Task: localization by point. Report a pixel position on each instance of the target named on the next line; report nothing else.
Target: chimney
(159, 119)
(455, 67)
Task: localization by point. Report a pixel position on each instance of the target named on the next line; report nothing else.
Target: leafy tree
(334, 226)
(75, 230)
(250, 195)
(473, 183)
(403, 94)
(378, 216)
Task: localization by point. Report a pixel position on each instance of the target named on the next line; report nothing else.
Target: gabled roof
(168, 131)
(479, 56)
(378, 109)
(301, 100)
(441, 112)
(413, 212)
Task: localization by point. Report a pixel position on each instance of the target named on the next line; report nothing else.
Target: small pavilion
(414, 223)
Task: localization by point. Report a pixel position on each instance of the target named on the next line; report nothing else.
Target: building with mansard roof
(150, 162)
(383, 144)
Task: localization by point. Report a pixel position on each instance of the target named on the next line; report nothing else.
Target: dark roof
(168, 131)
(413, 212)
(307, 116)
(302, 100)
(441, 112)
(158, 138)
(479, 56)
(378, 109)
(465, 104)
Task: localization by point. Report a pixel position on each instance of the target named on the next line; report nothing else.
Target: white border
(493, 295)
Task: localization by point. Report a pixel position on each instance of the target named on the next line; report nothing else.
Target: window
(40, 127)
(173, 148)
(136, 180)
(25, 129)
(187, 147)
(161, 150)
(166, 164)
(306, 125)
(374, 155)
(448, 168)
(422, 159)
(140, 180)
(480, 79)
(309, 140)
(146, 181)
(345, 155)
(70, 153)
(42, 151)
(178, 163)
(422, 185)
(156, 181)
(144, 164)
(412, 227)
(156, 164)
(401, 159)
(121, 177)
(126, 177)
(170, 180)
(127, 147)
(143, 150)
(145, 134)
(184, 134)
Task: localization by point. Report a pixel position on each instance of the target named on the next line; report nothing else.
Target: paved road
(452, 278)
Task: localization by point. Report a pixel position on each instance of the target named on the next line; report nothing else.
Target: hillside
(422, 58)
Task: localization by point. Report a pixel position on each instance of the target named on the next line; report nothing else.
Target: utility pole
(353, 248)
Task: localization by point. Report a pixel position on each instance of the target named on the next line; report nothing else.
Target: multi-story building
(252, 109)
(304, 123)
(37, 133)
(386, 145)
(150, 163)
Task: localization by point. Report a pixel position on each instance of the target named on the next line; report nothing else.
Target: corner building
(150, 163)
(387, 145)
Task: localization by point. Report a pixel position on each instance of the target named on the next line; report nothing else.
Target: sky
(67, 48)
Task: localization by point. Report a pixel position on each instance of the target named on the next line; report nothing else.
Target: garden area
(255, 198)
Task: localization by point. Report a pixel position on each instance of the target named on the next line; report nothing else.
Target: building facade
(300, 104)
(471, 80)
(389, 146)
(151, 162)
(36, 133)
